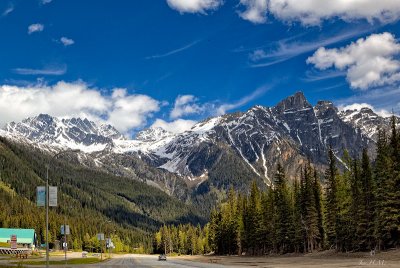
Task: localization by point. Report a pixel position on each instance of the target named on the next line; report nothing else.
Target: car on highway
(162, 257)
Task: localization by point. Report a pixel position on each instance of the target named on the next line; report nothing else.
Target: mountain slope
(291, 132)
(232, 149)
(133, 206)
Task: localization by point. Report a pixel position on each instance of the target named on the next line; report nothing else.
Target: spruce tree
(284, 223)
(309, 209)
(381, 175)
(357, 227)
(331, 201)
(298, 222)
(393, 195)
(252, 219)
(367, 199)
(318, 206)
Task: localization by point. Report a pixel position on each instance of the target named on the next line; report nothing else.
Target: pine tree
(318, 206)
(299, 230)
(381, 174)
(345, 217)
(252, 220)
(309, 211)
(331, 201)
(356, 208)
(284, 222)
(240, 225)
(393, 199)
(367, 209)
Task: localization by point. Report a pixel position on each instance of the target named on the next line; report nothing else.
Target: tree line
(356, 208)
(86, 199)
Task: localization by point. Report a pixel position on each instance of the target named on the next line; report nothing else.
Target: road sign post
(100, 237)
(65, 231)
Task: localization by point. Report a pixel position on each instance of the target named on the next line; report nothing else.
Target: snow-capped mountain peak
(75, 133)
(365, 119)
(152, 134)
(251, 142)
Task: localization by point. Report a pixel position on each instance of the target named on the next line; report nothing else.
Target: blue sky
(173, 62)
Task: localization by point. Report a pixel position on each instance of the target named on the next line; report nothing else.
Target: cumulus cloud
(255, 10)
(359, 106)
(37, 27)
(186, 105)
(368, 62)
(382, 99)
(312, 12)
(177, 126)
(67, 41)
(286, 49)
(63, 99)
(128, 112)
(194, 6)
(307, 12)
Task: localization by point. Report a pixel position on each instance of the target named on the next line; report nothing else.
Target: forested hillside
(354, 210)
(87, 198)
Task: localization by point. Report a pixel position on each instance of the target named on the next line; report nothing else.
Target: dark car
(162, 257)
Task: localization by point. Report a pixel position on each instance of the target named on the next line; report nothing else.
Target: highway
(145, 261)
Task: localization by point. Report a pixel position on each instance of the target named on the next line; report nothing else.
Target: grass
(70, 261)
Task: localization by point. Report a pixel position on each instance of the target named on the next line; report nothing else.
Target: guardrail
(9, 251)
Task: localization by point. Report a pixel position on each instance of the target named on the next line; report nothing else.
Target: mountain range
(219, 152)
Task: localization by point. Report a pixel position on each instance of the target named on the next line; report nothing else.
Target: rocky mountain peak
(73, 133)
(292, 103)
(152, 134)
(325, 108)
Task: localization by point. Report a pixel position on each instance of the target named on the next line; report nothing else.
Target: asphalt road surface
(142, 261)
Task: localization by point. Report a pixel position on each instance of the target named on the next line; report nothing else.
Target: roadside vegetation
(357, 209)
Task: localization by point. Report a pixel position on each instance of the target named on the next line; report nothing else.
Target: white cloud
(37, 27)
(130, 111)
(44, 2)
(8, 10)
(194, 6)
(369, 62)
(63, 99)
(67, 41)
(177, 126)
(381, 99)
(312, 12)
(59, 70)
(172, 52)
(255, 10)
(287, 49)
(307, 12)
(186, 105)
(222, 109)
(359, 106)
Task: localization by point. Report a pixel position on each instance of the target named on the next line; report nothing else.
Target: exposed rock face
(366, 121)
(73, 133)
(232, 149)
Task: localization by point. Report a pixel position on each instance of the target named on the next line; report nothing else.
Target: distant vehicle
(162, 257)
